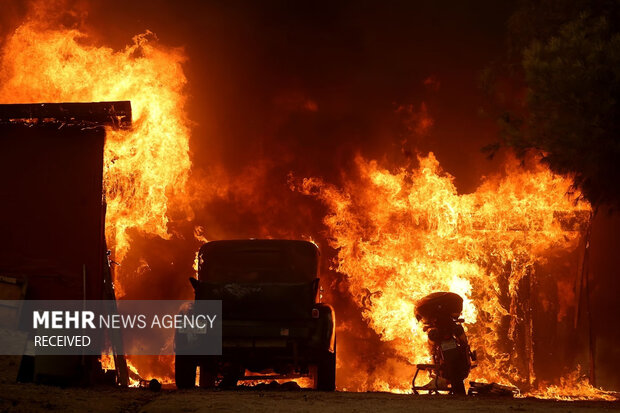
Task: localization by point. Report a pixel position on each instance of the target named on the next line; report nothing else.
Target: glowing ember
(404, 234)
(303, 382)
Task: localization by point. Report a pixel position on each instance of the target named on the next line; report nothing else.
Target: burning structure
(403, 235)
(396, 227)
(54, 232)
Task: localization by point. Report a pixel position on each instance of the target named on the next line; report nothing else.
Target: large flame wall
(404, 234)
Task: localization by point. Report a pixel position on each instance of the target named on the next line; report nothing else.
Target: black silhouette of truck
(273, 325)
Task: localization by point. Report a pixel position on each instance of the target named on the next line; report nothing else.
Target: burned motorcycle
(452, 358)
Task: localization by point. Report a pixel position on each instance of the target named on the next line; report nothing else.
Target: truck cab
(273, 323)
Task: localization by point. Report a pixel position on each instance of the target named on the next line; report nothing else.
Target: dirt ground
(16, 397)
(30, 397)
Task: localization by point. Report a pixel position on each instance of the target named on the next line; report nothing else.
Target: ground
(15, 397)
(30, 397)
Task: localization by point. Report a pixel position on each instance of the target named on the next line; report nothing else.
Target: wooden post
(117, 114)
(584, 285)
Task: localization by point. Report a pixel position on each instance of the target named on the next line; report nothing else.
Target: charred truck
(273, 325)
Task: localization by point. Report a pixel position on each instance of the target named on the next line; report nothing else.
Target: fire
(573, 386)
(134, 375)
(107, 362)
(403, 234)
(304, 382)
(146, 168)
(400, 234)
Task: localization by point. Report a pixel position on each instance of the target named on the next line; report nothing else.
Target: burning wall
(147, 167)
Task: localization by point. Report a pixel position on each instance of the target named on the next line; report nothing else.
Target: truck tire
(184, 372)
(457, 387)
(230, 376)
(326, 371)
(208, 375)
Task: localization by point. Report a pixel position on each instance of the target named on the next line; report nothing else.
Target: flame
(134, 375)
(145, 167)
(399, 234)
(304, 382)
(573, 386)
(107, 362)
(403, 234)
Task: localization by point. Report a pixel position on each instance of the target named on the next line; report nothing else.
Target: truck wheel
(208, 375)
(229, 382)
(184, 372)
(326, 372)
(458, 387)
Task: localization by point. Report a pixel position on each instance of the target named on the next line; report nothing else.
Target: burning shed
(51, 164)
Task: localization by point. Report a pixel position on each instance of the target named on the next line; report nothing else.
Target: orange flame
(401, 235)
(305, 382)
(107, 362)
(573, 386)
(146, 167)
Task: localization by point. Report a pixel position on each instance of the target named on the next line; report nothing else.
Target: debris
(275, 386)
(491, 389)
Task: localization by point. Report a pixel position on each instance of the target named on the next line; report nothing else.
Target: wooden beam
(117, 114)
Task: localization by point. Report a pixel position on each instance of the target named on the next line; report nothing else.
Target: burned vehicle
(273, 324)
